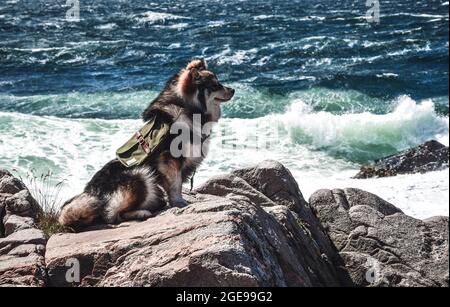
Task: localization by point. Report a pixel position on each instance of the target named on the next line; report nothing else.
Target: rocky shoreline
(251, 227)
(22, 245)
(427, 157)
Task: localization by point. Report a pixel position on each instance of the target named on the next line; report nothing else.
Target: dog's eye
(214, 86)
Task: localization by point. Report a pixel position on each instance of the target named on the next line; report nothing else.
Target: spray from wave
(357, 137)
(365, 136)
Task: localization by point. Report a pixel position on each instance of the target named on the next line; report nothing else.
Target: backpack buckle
(142, 142)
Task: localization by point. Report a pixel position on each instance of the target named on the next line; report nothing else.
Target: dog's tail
(80, 211)
(134, 197)
(137, 192)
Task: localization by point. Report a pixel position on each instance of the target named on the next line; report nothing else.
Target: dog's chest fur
(196, 149)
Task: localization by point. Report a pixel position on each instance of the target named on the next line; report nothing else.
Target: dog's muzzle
(228, 94)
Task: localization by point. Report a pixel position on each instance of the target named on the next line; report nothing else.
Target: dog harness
(144, 143)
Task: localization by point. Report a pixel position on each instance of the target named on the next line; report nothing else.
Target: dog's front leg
(175, 195)
(170, 168)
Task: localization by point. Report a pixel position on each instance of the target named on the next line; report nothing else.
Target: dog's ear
(187, 81)
(195, 74)
(189, 76)
(199, 64)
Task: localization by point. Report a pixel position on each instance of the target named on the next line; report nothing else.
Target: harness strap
(192, 181)
(142, 142)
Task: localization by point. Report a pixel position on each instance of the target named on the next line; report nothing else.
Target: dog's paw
(178, 203)
(145, 215)
(137, 215)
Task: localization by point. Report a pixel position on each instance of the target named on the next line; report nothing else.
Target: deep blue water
(273, 49)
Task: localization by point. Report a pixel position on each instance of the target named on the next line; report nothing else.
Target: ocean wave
(80, 105)
(153, 17)
(249, 101)
(176, 26)
(233, 57)
(314, 18)
(364, 136)
(264, 17)
(357, 137)
(107, 26)
(415, 15)
(339, 124)
(415, 50)
(387, 75)
(37, 50)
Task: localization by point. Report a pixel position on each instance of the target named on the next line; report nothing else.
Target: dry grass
(49, 198)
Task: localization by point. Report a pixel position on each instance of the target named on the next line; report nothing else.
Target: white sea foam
(228, 56)
(152, 17)
(264, 17)
(72, 149)
(415, 15)
(419, 195)
(76, 59)
(174, 46)
(214, 24)
(387, 74)
(177, 26)
(405, 51)
(107, 26)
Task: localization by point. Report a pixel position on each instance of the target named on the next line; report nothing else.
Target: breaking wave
(365, 136)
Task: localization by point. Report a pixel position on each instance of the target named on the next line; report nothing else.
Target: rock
(22, 246)
(276, 182)
(15, 199)
(25, 236)
(9, 184)
(429, 156)
(380, 245)
(235, 233)
(15, 223)
(3, 197)
(22, 204)
(22, 260)
(248, 228)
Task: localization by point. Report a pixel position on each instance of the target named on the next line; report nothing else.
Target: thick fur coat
(117, 193)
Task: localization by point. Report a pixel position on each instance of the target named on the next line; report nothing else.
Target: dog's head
(199, 86)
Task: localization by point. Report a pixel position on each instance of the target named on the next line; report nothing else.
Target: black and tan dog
(117, 193)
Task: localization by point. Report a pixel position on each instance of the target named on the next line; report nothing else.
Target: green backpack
(144, 143)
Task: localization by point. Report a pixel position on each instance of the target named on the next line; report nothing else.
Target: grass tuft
(49, 198)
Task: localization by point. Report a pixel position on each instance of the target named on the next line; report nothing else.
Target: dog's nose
(232, 91)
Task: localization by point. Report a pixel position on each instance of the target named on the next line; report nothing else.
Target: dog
(117, 193)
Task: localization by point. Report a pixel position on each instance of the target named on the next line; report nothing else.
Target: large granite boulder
(427, 157)
(239, 231)
(248, 228)
(379, 244)
(22, 245)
